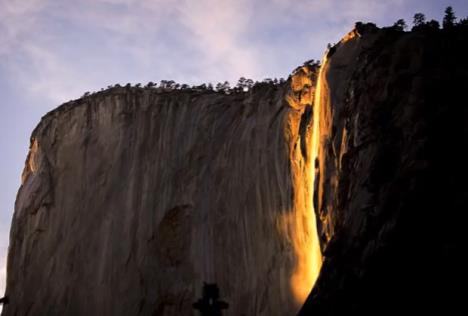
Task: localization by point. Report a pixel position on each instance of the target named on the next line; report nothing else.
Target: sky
(52, 51)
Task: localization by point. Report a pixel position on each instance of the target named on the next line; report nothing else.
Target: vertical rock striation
(391, 188)
(132, 198)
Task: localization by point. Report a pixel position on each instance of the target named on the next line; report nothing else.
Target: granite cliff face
(391, 187)
(133, 197)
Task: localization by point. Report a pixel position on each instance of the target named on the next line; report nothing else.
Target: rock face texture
(391, 187)
(133, 197)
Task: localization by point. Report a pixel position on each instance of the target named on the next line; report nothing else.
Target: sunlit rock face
(132, 198)
(391, 187)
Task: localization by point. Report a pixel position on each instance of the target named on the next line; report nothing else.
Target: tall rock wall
(391, 190)
(133, 197)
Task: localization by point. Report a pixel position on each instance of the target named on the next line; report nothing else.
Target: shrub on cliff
(449, 18)
(463, 22)
(400, 25)
(419, 19)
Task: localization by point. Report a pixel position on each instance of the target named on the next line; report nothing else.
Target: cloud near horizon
(58, 50)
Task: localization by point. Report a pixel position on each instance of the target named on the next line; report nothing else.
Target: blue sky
(52, 51)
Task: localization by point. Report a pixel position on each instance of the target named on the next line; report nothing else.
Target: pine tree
(419, 19)
(449, 18)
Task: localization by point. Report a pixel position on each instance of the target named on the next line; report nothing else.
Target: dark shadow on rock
(4, 300)
(209, 304)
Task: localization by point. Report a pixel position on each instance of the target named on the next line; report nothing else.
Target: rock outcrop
(391, 187)
(133, 197)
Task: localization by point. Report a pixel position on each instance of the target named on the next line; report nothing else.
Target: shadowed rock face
(392, 185)
(132, 198)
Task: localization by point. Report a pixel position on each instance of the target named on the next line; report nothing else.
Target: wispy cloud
(58, 49)
(217, 30)
(17, 19)
(45, 74)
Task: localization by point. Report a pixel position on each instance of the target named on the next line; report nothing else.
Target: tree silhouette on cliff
(400, 25)
(419, 19)
(449, 18)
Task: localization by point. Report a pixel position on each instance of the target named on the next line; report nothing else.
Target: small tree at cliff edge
(400, 25)
(449, 18)
(419, 19)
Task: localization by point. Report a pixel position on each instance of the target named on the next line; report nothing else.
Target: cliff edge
(391, 184)
(132, 198)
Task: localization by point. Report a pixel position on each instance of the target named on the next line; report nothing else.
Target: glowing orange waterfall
(305, 237)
